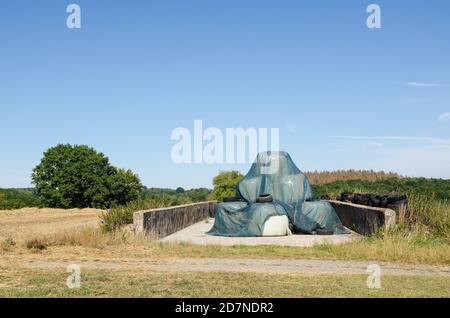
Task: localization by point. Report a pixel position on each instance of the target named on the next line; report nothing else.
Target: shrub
(37, 244)
(225, 184)
(119, 216)
(18, 198)
(7, 244)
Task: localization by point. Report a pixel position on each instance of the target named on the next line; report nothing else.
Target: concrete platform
(196, 234)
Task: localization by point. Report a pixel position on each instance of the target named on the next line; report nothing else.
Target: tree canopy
(225, 184)
(79, 177)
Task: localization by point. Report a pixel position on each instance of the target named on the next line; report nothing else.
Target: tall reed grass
(324, 177)
(428, 216)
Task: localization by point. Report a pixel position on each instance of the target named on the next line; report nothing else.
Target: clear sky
(344, 96)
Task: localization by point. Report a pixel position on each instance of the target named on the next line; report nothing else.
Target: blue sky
(343, 96)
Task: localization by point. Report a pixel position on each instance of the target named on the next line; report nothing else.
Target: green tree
(180, 190)
(225, 184)
(125, 186)
(79, 177)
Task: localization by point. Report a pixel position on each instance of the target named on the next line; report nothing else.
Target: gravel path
(250, 265)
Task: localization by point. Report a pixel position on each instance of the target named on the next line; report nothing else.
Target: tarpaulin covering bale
(276, 174)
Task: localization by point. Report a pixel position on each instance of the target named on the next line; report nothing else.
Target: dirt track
(29, 223)
(246, 265)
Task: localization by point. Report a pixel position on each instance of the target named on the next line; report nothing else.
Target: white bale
(277, 226)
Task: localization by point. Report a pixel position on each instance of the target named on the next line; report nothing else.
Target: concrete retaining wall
(159, 223)
(363, 219)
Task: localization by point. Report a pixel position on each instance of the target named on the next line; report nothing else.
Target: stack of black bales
(396, 202)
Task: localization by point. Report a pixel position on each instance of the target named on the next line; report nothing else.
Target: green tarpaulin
(274, 173)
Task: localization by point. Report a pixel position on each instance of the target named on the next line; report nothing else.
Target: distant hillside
(17, 199)
(324, 177)
(11, 199)
(439, 188)
(379, 182)
(191, 195)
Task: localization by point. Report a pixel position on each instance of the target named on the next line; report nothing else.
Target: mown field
(30, 239)
(110, 283)
(423, 237)
(114, 265)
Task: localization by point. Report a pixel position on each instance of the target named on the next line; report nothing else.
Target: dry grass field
(24, 224)
(36, 245)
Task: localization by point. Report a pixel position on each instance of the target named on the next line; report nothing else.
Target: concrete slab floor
(196, 234)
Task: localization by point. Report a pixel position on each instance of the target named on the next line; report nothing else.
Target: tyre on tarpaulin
(264, 198)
